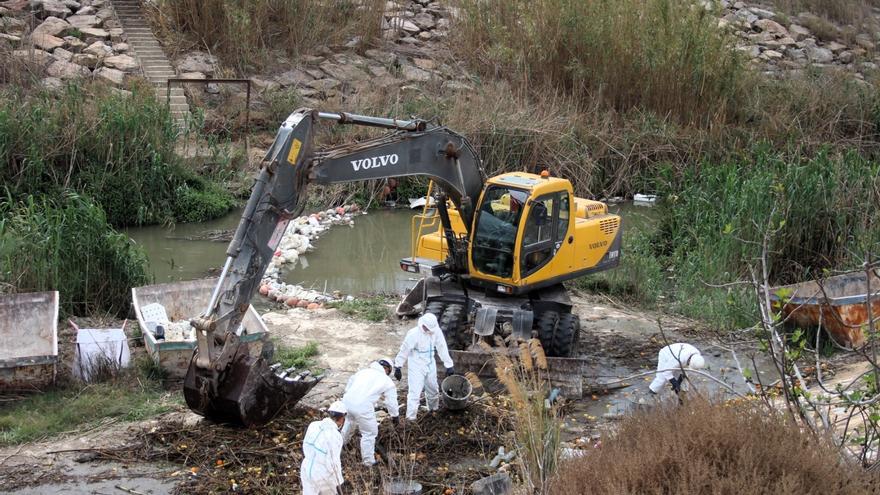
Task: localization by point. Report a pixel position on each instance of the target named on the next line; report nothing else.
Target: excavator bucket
(248, 393)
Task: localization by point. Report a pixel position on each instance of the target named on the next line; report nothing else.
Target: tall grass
(66, 244)
(666, 56)
(117, 149)
(822, 211)
(840, 11)
(247, 33)
(706, 448)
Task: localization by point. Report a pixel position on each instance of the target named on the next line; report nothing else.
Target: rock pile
(296, 241)
(778, 43)
(73, 40)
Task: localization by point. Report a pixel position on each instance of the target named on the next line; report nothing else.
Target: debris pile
(297, 240)
(444, 452)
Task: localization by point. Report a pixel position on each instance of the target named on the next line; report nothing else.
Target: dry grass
(853, 12)
(249, 34)
(705, 448)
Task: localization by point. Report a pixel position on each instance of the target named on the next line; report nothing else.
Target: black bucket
(456, 390)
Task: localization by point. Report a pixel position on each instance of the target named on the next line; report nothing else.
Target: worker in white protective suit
(363, 391)
(417, 349)
(321, 469)
(672, 361)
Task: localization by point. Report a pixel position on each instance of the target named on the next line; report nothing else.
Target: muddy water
(352, 260)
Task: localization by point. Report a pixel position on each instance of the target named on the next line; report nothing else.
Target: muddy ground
(615, 341)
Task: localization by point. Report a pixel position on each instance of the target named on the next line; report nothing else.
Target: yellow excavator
(493, 253)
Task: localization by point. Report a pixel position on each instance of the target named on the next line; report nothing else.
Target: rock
(425, 35)
(845, 57)
(316, 73)
(72, 4)
(424, 21)
(763, 14)
(87, 10)
(773, 27)
(192, 75)
(409, 40)
(771, 55)
(52, 83)
(98, 49)
(751, 51)
(74, 44)
(62, 54)
(116, 34)
(381, 56)
(113, 76)
(457, 86)
(325, 84)
(294, 77)
(835, 47)
(265, 84)
(9, 39)
(84, 21)
(120, 47)
(345, 73)
(50, 8)
(798, 32)
(425, 63)
(398, 23)
(46, 42)
(864, 41)
(36, 57)
(378, 71)
(121, 62)
(52, 26)
(90, 35)
(86, 60)
(11, 25)
(67, 70)
(412, 73)
(746, 18)
(819, 55)
(212, 88)
(197, 62)
(311, 59)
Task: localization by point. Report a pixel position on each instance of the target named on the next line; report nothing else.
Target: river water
(353, 260)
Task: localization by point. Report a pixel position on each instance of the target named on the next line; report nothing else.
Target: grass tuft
(372, 308)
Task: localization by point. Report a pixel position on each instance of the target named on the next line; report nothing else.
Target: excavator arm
(224, 381)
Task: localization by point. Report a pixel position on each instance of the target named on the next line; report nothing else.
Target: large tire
(559, 333)
(453, 322)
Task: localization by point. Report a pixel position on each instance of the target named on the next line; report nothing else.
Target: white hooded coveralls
(321, 469)
(363, 391)
(673, 357)
(418, 349)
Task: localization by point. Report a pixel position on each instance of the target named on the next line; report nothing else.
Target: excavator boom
(224, 380)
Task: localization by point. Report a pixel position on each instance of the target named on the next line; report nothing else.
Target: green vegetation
(301, 358)
(246, 33)
(66, 244)
(126, 398)
(374, 308)
(117, 149)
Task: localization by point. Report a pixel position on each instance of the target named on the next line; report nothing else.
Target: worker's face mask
(426, 329)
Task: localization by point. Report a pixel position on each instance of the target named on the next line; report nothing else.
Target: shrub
(67, 245)
(706, 448)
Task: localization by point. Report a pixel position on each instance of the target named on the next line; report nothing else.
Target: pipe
(351, 118)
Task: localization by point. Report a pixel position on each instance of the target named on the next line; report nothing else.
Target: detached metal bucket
(456, 390)
(397, 487)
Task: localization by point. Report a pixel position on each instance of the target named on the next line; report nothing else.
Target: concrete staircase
(146, 48)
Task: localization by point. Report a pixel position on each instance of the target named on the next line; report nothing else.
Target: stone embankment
(68, 40)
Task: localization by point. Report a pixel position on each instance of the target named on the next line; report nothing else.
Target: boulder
(426, 35)
(86, 60)
(113, 76)
(52, 26)
(751, 51)
(845, 57)
(819, 55)
(345, 73)
(798, 32)
(90, 10)
(121, 62)
(46, 42)
(67, 70)
(197, 62)
(424, 21)
(84, 21)
(293, 77)
(120, 47)
(412, 73)
(11, 25)
(379, 71)
(9, 39)
(771, 55)
(381, 56)
(36, 57)
(864, 41)
(325, 84)
(50, 8)
(62, 54)
(91, 35)
(768, 26)
(265, 84)
(425, 63)
(74, 44)
(401, 23)
(98, 49)
(763, 14)
(72, 4)
(52, 83)
(835, 47)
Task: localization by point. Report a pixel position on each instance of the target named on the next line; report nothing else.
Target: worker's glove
(397, 373)
(450, 371)
(395, 420)
(676, 383)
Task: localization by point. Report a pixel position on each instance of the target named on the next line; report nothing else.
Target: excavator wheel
(453, 321)
(559, 333)
(247, 393)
